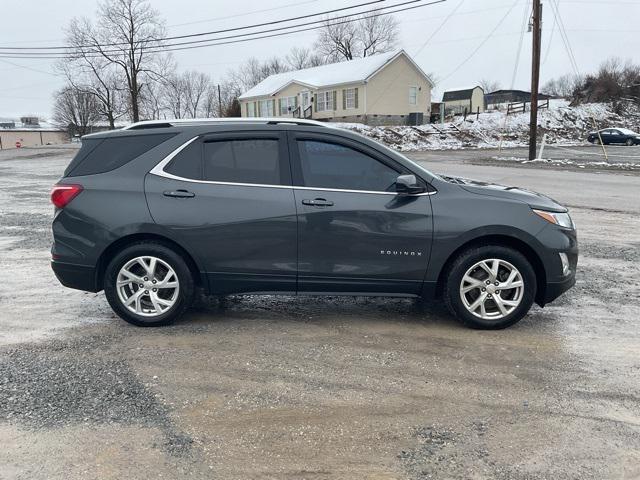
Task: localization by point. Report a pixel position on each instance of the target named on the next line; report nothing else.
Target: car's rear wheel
(490, 287)
(148, 284)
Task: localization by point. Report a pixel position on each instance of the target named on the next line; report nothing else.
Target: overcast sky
(596, 30)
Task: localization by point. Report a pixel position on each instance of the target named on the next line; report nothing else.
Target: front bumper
(80, 277)
(554, 289)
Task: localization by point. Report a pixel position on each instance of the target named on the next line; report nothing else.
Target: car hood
(534, 199)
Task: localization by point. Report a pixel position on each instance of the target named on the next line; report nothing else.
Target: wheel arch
(131, 239)
(504, 241)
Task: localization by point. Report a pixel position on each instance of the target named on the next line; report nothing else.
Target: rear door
(354, 233)
(228, 199)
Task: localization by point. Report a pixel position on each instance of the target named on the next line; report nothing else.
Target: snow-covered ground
(564, 125)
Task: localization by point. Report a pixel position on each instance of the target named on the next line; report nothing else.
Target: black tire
(186, 291)
(469, 258)
(630, 142)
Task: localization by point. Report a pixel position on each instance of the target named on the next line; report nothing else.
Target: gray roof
(462, 94)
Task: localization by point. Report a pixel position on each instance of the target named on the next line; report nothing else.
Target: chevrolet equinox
(161, 210)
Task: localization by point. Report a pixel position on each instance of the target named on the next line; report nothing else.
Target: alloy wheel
(491, 289)
(147, 286)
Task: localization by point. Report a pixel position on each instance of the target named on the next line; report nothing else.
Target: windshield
(626, 131)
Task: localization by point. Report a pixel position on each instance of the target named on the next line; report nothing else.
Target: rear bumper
(80, 277)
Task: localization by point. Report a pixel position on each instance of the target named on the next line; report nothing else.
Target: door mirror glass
(408, 185)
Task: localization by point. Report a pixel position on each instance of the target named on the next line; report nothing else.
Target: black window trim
(280, 136)
(158, 170)
(296, 165)
(72, 172)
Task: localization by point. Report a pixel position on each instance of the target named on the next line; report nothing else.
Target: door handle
(317, 202)
(179, 194)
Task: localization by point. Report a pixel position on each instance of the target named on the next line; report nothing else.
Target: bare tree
(299, 58)
(345, 40)
(173, 96)
(563, 86)
(252, 72)
(338, 40)
(75, 110)
(92, 73)
(489, 85)
(127, 35)
(151, 101)
(195, 84)
(377, 33)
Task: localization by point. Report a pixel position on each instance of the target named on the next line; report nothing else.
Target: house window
(325, 101)
(287, 105)
(266, 108)
(350, 98)
(251, 109)
(413, 95)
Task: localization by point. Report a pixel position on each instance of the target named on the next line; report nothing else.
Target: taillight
(61, 195)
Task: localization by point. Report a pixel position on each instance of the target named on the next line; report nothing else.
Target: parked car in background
(621, 136)
(155, 212)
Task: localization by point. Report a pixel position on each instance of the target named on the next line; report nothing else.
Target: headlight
(562, 219)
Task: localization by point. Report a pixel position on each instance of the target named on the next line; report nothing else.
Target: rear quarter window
(104, 155)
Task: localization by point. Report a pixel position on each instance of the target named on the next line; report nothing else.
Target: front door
(354, 233)
(227, 198)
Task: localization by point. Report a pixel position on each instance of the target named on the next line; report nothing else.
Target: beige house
(385, 89)
(459, 101)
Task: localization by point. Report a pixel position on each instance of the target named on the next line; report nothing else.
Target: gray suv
(162, 210)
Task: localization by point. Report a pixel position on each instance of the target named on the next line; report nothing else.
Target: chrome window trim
(158, 170)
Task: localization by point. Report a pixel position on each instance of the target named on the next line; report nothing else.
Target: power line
(564, 37)
(212, 32)
(244, 14)
(481, 44)
(17, 65)
(519, 51)
(242, 37)
(435, 32)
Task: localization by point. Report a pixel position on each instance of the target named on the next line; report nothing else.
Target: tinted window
(187, 163)
(243, 161)
(85, 149)
(329, 165)
(113, 152)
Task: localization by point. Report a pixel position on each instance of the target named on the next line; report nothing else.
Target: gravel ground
(323, 388)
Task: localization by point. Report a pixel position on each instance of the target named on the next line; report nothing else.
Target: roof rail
(204, 121)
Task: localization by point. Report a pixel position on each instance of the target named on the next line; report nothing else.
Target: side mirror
(408, 185)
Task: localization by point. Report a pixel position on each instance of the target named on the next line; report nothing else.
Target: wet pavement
(323, 388)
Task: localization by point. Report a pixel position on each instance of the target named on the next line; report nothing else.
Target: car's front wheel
(490, 287)
(630, 142)
(148, 284)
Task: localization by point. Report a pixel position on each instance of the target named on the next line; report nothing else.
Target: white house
(389, 88)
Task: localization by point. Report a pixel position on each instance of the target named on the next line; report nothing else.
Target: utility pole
(536, 25)
(219, 102)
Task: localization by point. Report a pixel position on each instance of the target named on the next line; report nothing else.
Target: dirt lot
(338, 388)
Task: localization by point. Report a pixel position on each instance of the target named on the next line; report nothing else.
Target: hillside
(563, 124)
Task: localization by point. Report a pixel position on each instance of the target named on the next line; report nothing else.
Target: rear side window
(243, 161)
(111, 153)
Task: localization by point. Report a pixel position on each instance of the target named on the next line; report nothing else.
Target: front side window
(331, 165)
(242, 161)
(325, 101)
(413, 95)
